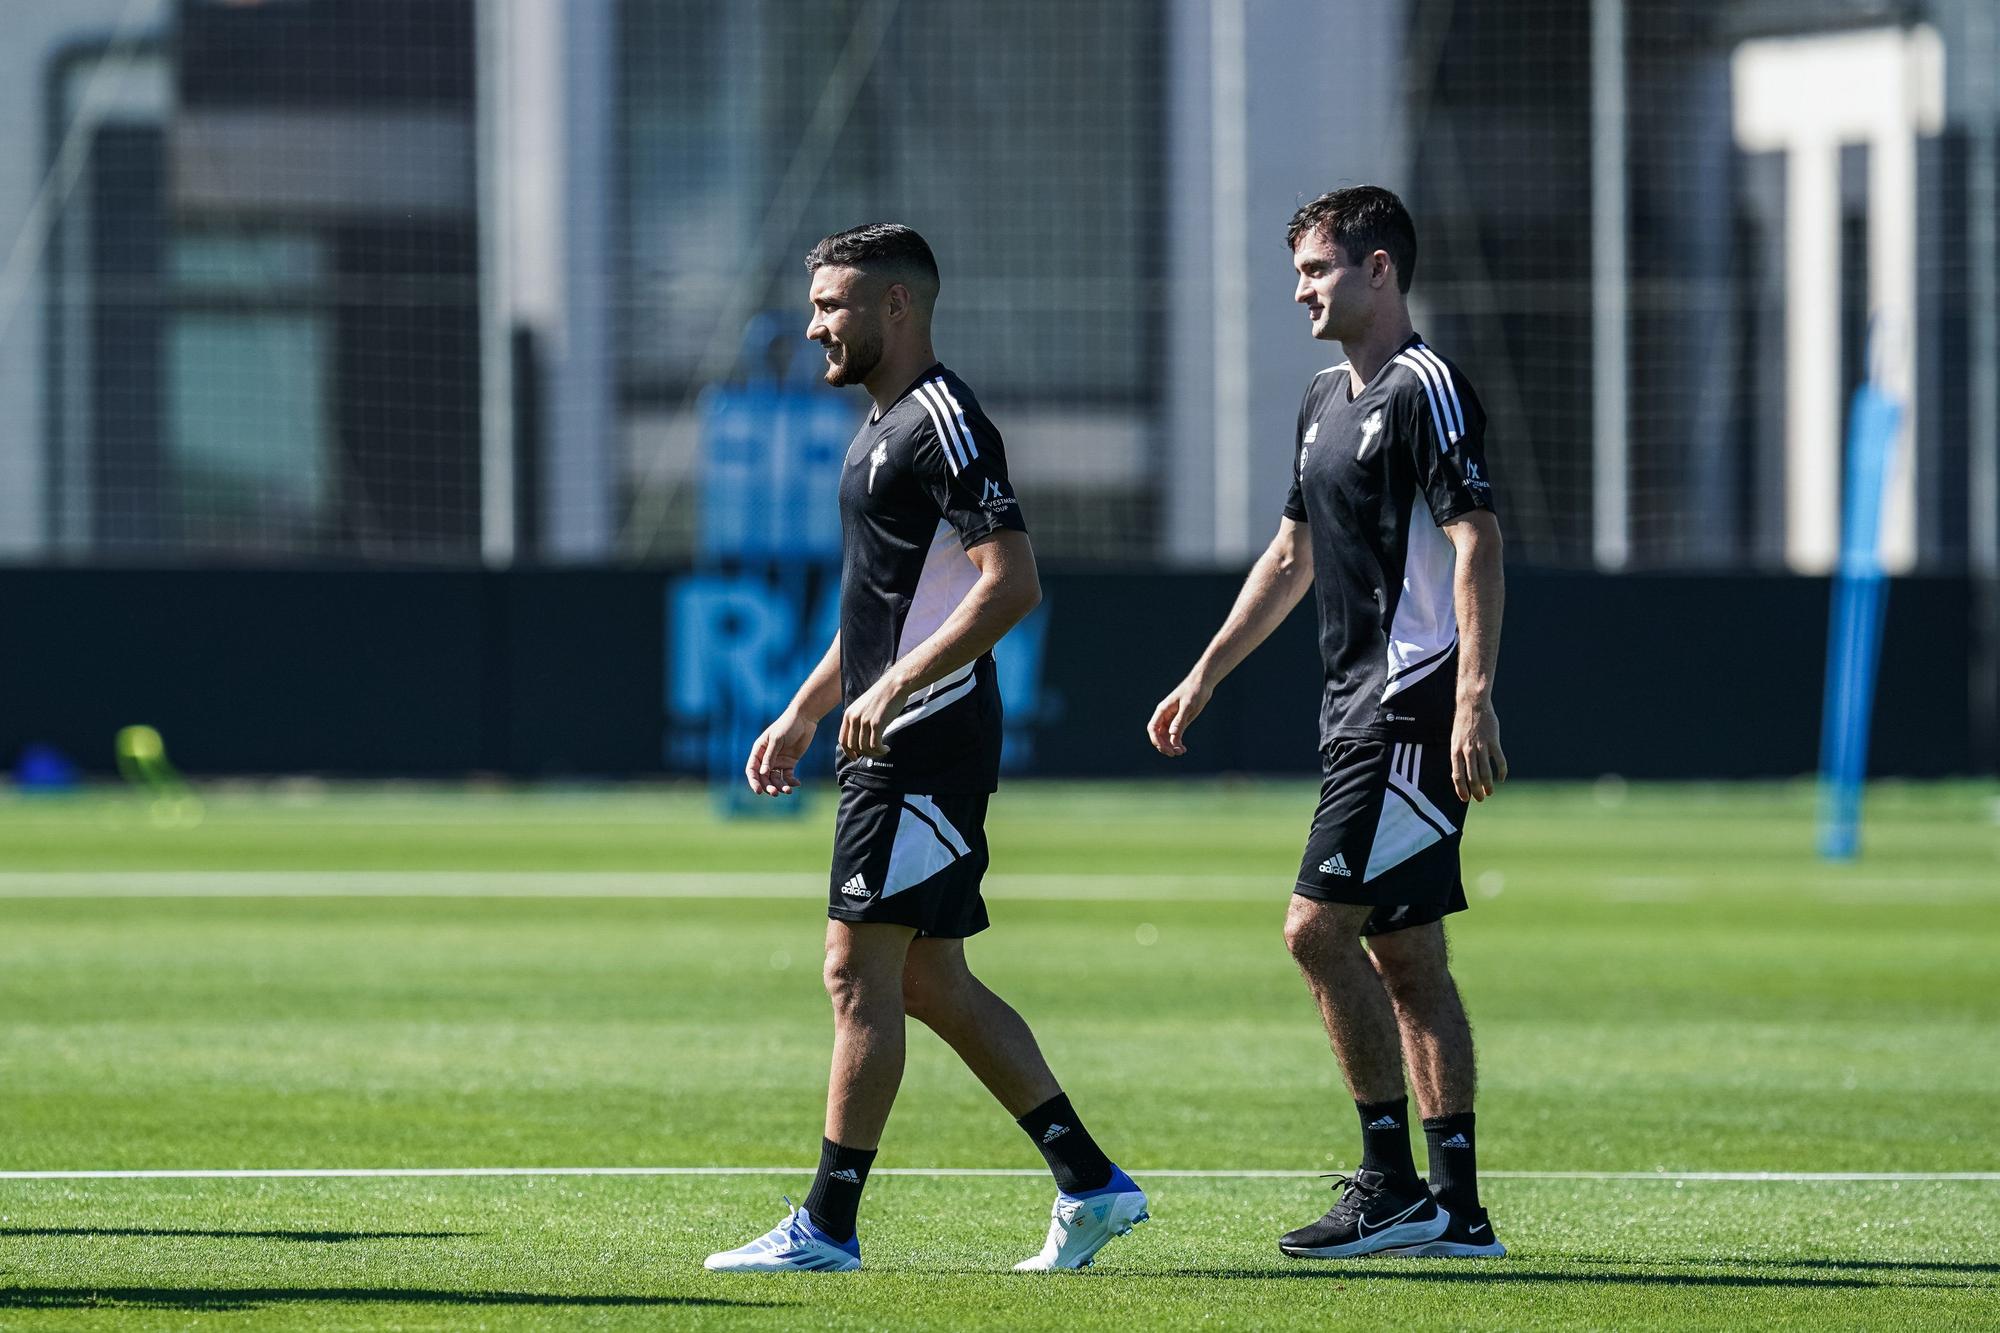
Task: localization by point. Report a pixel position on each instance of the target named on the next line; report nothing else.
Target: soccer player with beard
(1390, 521)
(935, 568)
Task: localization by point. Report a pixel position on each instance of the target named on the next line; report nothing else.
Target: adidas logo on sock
(1387, 1122)
(1455, 1141)
(848, 1174)
(855, 888)
(1335, 865)
(1054, 1132)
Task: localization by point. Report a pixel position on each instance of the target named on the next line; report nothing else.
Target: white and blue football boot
(795, 1245)
(1082, 1224)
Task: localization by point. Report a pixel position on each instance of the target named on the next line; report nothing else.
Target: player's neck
(894, 374)
(1374, 349)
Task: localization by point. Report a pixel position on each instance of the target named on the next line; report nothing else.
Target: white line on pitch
(753, 885)
(430, 1172)
(570, 884)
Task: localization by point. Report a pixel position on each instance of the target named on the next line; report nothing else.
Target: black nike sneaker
(1470, 1236)
(1374, 1215)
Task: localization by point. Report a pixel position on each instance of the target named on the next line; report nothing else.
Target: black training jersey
(923, 482)
(1376, 475)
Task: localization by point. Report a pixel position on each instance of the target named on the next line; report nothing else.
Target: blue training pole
(1854, 634)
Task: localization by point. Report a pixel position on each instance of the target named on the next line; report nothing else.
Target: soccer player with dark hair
(935, 568)
(1390, 521)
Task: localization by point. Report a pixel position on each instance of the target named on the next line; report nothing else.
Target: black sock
(1454, 1167)
(1385, 1139)
(1078, 1163)
(836, 1191)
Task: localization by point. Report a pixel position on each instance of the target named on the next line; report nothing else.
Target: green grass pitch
(1664, 980)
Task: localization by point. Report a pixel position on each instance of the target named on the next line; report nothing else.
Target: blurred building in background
(444, 280)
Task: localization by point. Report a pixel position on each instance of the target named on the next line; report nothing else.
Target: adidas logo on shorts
(1335, 865)
(855, 888)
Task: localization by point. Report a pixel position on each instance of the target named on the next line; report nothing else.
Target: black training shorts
(1386, 833)
(910, 860)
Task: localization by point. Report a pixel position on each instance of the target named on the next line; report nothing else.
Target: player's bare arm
(1008, 588)
(1273, 587)
(772, 769)
(1479, 594)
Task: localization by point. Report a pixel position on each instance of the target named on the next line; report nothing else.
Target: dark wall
(562, 673)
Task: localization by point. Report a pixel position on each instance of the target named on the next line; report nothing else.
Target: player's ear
(896, 301)
(1380, 269)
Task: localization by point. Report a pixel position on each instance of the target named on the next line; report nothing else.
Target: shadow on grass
(321, 1237)
(1838, 1265)
(227, 1299)
(1504, 1274)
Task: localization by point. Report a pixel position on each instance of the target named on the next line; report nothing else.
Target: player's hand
(865, 724)
(772, 769)
(1477, 763)
(1176, 713)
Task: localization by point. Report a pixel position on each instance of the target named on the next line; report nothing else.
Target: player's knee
(933, 996)
(1314, 930)
(851, 987)
(1306, 937)
(1408, 969)
(920, 997)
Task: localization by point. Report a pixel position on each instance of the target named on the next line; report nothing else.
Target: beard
(858, 358)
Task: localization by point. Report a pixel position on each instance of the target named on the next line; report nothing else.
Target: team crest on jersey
(1371, 430)
(876, 459)
(1312, 432)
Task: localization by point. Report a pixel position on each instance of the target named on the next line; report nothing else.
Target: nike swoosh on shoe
(1362, 1225)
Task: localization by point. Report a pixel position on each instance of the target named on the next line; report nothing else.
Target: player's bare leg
(940, 991)
(1095, 1201)
(1325, 941)
(1437, 1043)
(1384, 1205)
(1437, 1039)
(864, 979)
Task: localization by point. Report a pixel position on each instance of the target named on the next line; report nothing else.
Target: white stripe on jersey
(945, 395)
(918, 712)
(1425, 624)
(946, 438)
(1448, 390)
(940, 685)
(1423, 371)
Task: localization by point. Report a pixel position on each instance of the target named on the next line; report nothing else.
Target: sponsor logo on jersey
(1312, 433)
(855, 888)
(1335, 865)
(993, 499)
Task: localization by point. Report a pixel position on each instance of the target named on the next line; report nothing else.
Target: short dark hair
(1361, 219)
(888, 248)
